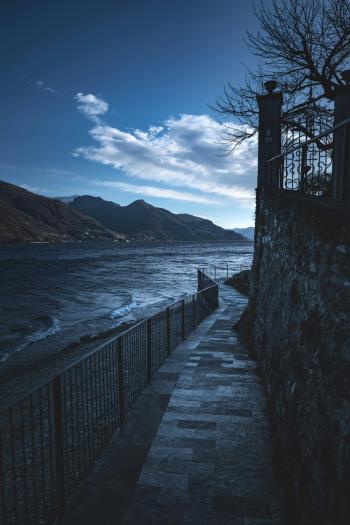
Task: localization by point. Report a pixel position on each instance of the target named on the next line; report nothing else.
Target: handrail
(89, 354)
(51, 436)
(310, 141)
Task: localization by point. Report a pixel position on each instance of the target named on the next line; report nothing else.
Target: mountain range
(142, 221)
(27, 217)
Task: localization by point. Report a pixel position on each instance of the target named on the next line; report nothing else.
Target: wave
(49, 326)
(120, 312)
(42, 333)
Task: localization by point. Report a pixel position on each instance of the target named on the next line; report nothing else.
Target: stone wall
(300, 291)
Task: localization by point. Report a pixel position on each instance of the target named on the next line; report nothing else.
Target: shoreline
(96, 272)
(18, 378)
(129, 241)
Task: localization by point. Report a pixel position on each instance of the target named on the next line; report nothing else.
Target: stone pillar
(341, 159)
(269, 135)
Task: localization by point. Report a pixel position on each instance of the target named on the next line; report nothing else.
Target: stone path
(210, 461)
(206, 457)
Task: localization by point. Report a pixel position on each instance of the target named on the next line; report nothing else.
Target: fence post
(304, 168)
(269, 135)
(341, 165)
(120, 379)
(183, 319)
(226, 271)
(193, 311)
(199, 280)
(168, 341)
(59, 447)
(149, 350)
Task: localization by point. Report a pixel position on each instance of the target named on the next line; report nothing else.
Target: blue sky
(110, 98)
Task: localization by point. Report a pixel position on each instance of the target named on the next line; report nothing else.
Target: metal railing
(51, 437)
(224, 271)
(307, 166)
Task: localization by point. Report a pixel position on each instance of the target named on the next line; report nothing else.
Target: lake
(51, 295)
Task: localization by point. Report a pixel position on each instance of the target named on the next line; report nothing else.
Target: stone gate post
(341, 160)
(269, 135)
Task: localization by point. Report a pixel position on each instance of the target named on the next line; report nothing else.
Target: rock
(240, 281)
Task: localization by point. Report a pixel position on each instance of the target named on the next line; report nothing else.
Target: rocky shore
(18, 378)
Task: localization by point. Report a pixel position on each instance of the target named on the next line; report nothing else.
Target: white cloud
(153, 191)
(90, 105)
(41, 85)
(185, 152)
(35, 189)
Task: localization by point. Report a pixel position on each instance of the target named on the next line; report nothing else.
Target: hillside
(142, 221)
(25, 216)
(248, 232)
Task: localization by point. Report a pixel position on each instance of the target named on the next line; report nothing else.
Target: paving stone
(183, 409)
(207, 425)
(215, 456)
(209, 460)
(194, 469)
(170, 452)
(185, 442)
(158, 478)
(215, 407)
(177, 432)
(171, 417)
(185, 403)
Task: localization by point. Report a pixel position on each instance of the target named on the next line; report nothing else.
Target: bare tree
(304, 45)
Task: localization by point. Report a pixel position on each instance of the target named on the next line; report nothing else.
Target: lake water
(51, 295)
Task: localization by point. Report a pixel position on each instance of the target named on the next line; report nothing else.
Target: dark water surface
(51, 295)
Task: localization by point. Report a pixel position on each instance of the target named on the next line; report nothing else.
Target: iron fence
(50, 438)
(224, 271)
(306, 165)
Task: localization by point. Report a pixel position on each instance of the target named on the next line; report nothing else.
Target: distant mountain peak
(94, 200)
(140, 203)
(142, 221)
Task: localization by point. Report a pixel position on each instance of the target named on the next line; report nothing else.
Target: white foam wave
(38, 335)
(120, 312)
(45, 332)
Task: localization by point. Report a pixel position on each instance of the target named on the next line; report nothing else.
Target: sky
(110, 98)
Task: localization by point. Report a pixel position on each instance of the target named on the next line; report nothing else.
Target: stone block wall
(300, 291)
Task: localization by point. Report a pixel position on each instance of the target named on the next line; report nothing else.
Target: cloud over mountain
(153, 191)
(185, 152)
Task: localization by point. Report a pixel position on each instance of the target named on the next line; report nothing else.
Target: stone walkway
(210, 461)
(207, 459)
